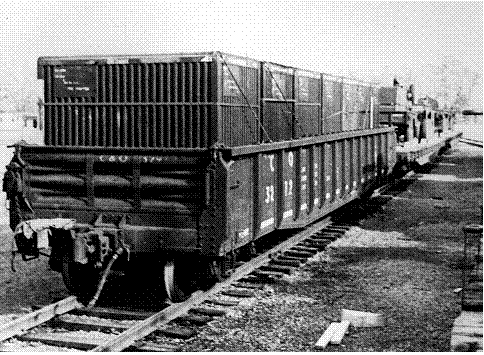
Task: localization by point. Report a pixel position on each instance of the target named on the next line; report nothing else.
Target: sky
(373, 41)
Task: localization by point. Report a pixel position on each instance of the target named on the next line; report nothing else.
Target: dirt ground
(401, 260)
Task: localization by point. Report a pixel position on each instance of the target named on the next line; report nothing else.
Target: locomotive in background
(178, 162)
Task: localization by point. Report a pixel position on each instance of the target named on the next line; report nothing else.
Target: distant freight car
(184, 159)
(423, 130)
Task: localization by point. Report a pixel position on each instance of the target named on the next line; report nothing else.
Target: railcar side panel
(301, 207)
(314, 182)
(289, 189)
(267, 193)
(356, 167)
(240, 202)
(296, 185)
(328, 173)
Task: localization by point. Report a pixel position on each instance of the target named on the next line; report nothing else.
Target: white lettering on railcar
(328, 177)
(304, 206)
(271, 161)
(287, 187)
(354, 183)
(347, 187)
(303, 187)
(267, 223)
(362, 180)
(303, 169)
(328, 196)
(290, 159)
(316, 201)
(304, 178)
(338, 191)
(269, 194)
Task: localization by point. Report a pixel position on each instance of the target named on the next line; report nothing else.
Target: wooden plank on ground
(457, 341)
(469, 319)
(30, 320)
(469, 330)
(326, 337)
(362, 319)
(340, 332)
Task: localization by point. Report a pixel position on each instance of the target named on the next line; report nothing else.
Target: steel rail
(147, 326)
(474, 142)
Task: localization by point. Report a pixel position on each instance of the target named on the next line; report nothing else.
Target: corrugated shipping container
(308, 104)
(171, 101)
(332, 104)
(278, 101)
(356, 105)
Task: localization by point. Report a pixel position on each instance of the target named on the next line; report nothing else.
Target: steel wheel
(177, 281)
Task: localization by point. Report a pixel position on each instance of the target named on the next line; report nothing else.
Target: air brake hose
(104, 277)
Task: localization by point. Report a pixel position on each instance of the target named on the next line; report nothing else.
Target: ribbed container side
(308, 104)
(351, 106)
(278, 120)
(278, 82)
(332, 104)
(278, 101)
(240, 109)
(129, 105)
(365, 109)
(308, 120)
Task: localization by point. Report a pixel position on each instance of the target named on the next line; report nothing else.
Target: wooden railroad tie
(301, 254)
(213, 312)
(278, 268)
(221, 302)
(238, 293)
(194, 319)
(178, 332)
(283, 261)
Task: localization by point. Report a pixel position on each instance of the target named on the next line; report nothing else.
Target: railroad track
(67, 324)
(471, 142)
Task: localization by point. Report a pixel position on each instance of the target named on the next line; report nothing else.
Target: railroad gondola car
(182, 160)
(423, 130)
